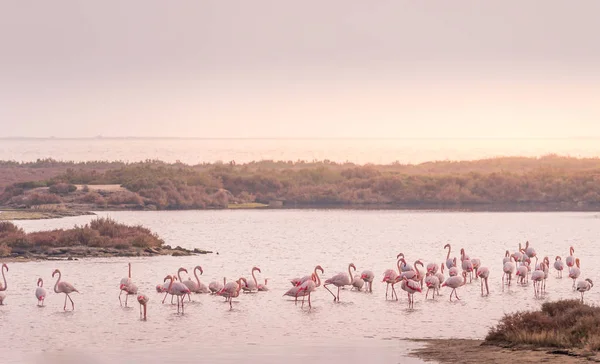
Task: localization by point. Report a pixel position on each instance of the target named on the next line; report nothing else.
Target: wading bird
(40, 292)
(64, 287)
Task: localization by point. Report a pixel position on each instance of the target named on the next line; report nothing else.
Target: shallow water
(265, 327)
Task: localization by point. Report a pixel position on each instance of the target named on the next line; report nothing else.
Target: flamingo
(467, 266)
(405, 267)
(476, 264)
(340, 280)
(508, 269)
(64, 287)
(298, 281)
(200, 287)
(529, 251)
(357, 282)
(295, 291)
(143, 300)
(178, 289)
(575, 271)
(449, 262)
(127, 286)
(420, 271)
(410, 287)
(537, 277)
(263, 287)
(3, 288)
(523, 274)
(432, 282)
(440, 276)
(215, 286)
(253, 284)
(232, 290)
(559, 266)
(189, 284)
(368, 277)
(453, 271)
(570, 260)
(584, 286)
(166, 286)
(307, 287)
(40, 292)
(484, 274)
(391, 277)
(432, 267)
(506, 258)
(546, 269)
(454, 283)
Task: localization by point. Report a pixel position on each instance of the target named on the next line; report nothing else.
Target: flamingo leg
(65, 306)
(394, 293)
(426, 293)
(487, 290)
(387, 287)
(230, 305)
(126, 297)
(327, 288)
(453, 289)
(144, 311)
(140, 311)
(72, 303)
(503, 274)
(166, 294)
(338, 295)
(182, 300)
(309, 304)
(121, 303)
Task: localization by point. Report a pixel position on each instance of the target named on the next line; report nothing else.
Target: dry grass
(563, 324)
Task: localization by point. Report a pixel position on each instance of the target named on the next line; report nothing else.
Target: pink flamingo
(453, 271)
(449, 262)
(263, 287)
(508, 269)
(215, 286)
(340, 280)
(432, 267)
(476, 265)
(405, 266)
(357, 282)
(128, 287)
(484, 274)
(523, 274)
(454, 283)
(143, 300)
(191, 283)
(410, 287)
(296, 292)
(584, 286)
(440, 276)
(177, 289)
(570, 260)
(367, 276)
(199, 286)
(537, 277)
(306, 288)
(559, 266)
(529, 251)
(391, 277)
(575, 271)
(298, 281)
(40, 292)
(3, 288)
(64, 287)
(253, 284)
(432, 282)
(232, 290)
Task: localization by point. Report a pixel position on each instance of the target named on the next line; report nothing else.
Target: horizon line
(295, 138)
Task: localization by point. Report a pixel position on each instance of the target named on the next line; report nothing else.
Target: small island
(102, 237)
(565, 331)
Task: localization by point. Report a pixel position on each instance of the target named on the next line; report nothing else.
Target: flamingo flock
(519, 267)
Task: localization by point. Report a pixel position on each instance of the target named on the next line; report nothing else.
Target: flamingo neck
(179, 275)
(449, 250)
(170, 284)
(41, 283)
(130, 270)
(56, 284)
(399, 267)
(350, 272)
(196, 275)
(224, 281)
(316, 275)
(254, 278)
(4, 278)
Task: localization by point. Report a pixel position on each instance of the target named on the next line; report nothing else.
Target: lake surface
(362, 151)
(265, 327)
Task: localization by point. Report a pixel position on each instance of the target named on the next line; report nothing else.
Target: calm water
(339, 150)
(265, 327)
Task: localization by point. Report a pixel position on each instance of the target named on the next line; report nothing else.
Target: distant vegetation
(550, 180)
(563, 324)
(99, 233)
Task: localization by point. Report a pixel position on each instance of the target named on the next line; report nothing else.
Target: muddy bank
(28, 214)
(477, 351)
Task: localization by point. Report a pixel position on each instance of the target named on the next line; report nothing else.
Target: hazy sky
(335, 68)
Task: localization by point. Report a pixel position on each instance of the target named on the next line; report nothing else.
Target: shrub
(62, 188)
(566, 324)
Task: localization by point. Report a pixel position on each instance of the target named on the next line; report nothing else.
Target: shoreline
(468, 351)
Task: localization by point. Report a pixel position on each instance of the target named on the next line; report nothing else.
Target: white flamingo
(410, 287)
(232, 290)
(454, 283)
(340, 280)
(484, 274)
(390, 277)
(575, 271)
(432, 282)
(177, 289)
(263, 287)
(570, 260)
(3, 287)
(215, 286)
(584, 286)
(252, 285)
(559, 266)
(368, 277)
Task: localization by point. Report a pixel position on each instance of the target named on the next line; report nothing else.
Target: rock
(178, 253)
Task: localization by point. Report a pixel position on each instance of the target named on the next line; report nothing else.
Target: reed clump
(561, 324)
